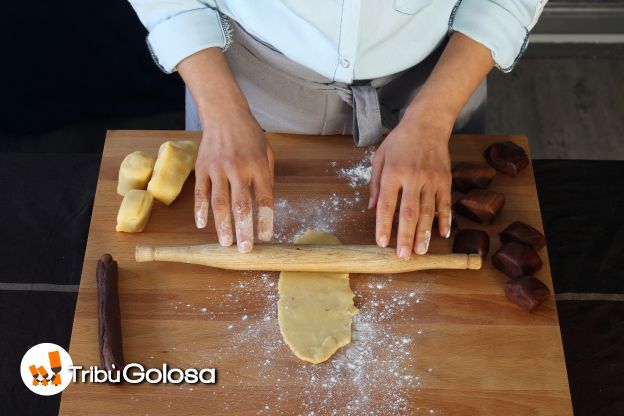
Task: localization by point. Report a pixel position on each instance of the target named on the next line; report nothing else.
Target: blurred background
(73, 69)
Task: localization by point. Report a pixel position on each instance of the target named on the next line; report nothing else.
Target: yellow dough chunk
(190, 146)
(174, 164)
(135, 172)
(134, 211)
(315, 309)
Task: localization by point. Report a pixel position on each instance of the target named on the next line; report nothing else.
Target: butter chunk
(135, 172)
(134, 211)
(174, 164)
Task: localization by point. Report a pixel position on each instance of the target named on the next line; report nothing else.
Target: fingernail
(448, 232)
(404, 253)
(370, 202)
(244, 246)
(224, 233)
(383, 241)
(201, 215)
(424, 245)
(244, 232)
(265, 223)
(422, 248)
(225, 240)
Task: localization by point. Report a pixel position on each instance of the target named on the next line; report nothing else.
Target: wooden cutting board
(430, 343)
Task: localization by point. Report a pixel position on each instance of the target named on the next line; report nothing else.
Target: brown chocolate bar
(109, 318)
(480, 205)
(506, 157)
(468, 176)
(471, 241)
(515, 260)
(526, 292)
(521, 232)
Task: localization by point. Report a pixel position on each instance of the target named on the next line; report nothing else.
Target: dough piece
(135, 172)
(174, 164)
(190, 146)
(315, 309)
(134, 211)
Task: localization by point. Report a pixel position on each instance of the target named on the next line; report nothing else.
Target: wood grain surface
(436, 342)
(342, 258)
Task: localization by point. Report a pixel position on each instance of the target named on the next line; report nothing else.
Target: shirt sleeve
(501, 25)
(178, 29)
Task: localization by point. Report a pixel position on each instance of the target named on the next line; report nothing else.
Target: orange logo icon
(45, 369)
(55, 366)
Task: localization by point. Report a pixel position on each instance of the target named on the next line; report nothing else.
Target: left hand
(413, 161)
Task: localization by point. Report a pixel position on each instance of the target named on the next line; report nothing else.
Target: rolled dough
(315, 309)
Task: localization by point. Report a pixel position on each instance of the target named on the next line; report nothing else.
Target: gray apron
(287, 97)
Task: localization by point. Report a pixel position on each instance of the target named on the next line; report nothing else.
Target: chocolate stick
(109, 319)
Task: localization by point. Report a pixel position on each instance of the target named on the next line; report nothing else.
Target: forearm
(235, 162)
(462, 66)
(212, 85)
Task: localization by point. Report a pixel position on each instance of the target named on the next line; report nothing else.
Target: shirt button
(344, 63)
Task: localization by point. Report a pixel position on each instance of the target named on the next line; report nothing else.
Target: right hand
(234, 167)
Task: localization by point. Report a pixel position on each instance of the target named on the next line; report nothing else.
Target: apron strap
(367, 127)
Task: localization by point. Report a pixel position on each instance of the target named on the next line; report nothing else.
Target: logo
(45, 369)
(135, 373)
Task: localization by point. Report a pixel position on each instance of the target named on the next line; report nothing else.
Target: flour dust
(378, 373)
(358, 174)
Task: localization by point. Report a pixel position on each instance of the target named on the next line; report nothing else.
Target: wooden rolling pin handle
(474, 261)
(144, 252)
(307, 258)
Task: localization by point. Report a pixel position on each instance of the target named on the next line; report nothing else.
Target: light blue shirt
(344, 40)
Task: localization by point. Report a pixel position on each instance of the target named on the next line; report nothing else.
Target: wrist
(430, 110)
(221, 107)
(432, 123)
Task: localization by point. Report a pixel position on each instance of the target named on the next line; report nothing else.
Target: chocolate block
(471, 241)
(526, 292)
(515, 260)
(506, 157)
(480, 205)
(468, 176)
(521, 232)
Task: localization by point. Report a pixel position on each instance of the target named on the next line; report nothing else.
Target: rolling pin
(306, 258)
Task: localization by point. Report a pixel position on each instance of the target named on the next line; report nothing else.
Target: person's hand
(412, 161)
(234, 167)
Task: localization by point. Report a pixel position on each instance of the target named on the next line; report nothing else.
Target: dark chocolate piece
(471, 241)
(521, 232)
(480, 205)
(515, 260)
(506, 157)
(526, 292)
(109, 318)
(468, 176)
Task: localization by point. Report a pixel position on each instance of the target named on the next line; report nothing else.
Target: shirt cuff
(493, 26)
(184, 34)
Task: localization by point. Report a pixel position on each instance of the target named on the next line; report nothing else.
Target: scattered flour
(378, 373)
(360, 173)
(293, 218)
